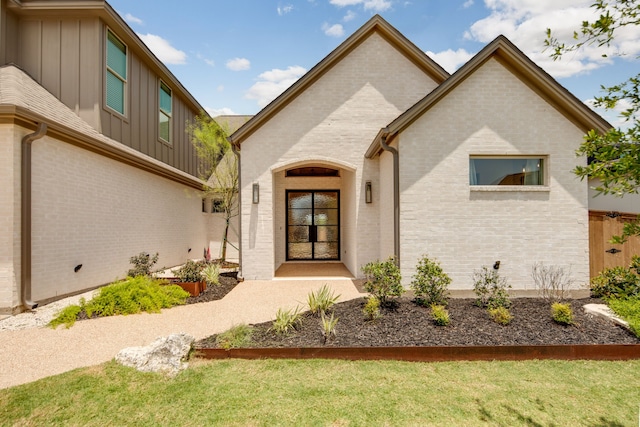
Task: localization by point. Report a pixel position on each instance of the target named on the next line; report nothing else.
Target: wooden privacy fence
(602, 254)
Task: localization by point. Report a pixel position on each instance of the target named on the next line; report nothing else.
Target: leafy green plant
(618, 282)
(371, 309)
(562, 313)
(235, 337)
(490, 289)
(67, 316)
(430, 283)
(440, 315)
(142, 264)
(500, 315)
(328, 325)
(553, 282)
(286, 320)
(191, 271)
(628, 309)
(211, 274)
(129, 296)
(383, 280)
(321, 301)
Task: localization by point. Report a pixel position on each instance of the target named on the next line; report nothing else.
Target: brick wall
(9, 218)
(492, 112)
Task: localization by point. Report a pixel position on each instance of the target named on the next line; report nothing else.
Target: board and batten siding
(67, 57)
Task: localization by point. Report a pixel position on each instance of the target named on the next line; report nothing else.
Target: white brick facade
(492, 112)
(331, 123)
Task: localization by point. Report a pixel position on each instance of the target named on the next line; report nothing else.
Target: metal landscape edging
(434, 353)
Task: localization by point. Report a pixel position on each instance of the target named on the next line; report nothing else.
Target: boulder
(165, 355)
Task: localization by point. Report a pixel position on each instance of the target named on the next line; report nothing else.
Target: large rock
(165, 355)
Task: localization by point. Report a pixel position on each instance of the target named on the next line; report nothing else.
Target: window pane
(299, 200)
(164, 131)
(165, 99)
(116, 56)
(507, 171)
(115, 92)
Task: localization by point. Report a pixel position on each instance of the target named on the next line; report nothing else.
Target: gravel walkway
(29, 350)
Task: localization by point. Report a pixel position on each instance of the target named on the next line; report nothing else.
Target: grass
(629, 310)
(334, 393)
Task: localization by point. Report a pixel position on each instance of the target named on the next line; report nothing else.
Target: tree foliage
(218, 167)
(614, 157)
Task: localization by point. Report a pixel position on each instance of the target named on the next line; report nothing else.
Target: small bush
(371, 309)
(552, 282)
(562, 313)
(628, 309)
(500, 315)
(191, 271)
(236, 337)
(286, 320)
(491, 289)
(440, 315)
(67, 317)
(430, 283)
(321, 301)
(211, 274)
(142, 264)
(617, 282)
(328, 326)
(383, 280)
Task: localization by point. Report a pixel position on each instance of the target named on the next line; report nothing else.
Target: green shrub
(286, 320)
(618, 282)
(430, 283)
(67, 317)
(562, 313)
(211, 274)
(383, 280)
(191, 271)
(321, 301)
(236, 337)
(142, 264)
(328, 325)
(490, 288)
(371, 309)
(440, 315)
(628, 309)
(500, 315)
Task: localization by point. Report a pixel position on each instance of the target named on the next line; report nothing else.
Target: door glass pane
(300, 217)
(328, 233)
(326, 216)
(300, 250)
(326, 251)
(300, 201)
(298, 234)
(326, 200)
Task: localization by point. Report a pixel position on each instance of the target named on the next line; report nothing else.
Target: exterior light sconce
(367, 192)
(256, 193)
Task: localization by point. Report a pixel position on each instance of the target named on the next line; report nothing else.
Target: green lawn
(335, 393)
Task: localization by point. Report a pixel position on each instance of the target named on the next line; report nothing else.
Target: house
(95, 162)
(377, 151)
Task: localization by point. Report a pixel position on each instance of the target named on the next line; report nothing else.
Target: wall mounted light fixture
(368, 197)
(256, 193)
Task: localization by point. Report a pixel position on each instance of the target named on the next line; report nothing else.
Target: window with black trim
(506, 170)
(164, 117)
(116, 75)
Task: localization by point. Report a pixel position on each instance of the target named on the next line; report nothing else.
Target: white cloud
(209, 62)
(450, 60)
(272, 83)
(238, 64)
(613, 115)
(524, 22)
(163, 49)
(467, 4)
(336, 30)
(374, 5)
(215, 112)
(349, 16)
(283, 10)
(220, 88)
(132, 19)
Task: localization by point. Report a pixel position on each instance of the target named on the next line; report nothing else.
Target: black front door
(313, 225)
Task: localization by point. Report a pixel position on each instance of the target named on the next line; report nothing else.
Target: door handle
(313, 233)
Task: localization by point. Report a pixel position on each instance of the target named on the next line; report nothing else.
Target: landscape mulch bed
(216, 292)
(409, 324)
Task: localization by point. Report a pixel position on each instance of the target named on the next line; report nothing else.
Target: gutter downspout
(25, 216)
(236, 151)
(396, 196)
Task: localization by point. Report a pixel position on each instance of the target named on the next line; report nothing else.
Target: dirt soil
(214, 293)
(408, 324)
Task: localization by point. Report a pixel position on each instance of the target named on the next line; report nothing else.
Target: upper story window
(116, 73)
(506, 171)
(164, 120)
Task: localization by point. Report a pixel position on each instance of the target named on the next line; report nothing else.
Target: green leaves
(383, 280)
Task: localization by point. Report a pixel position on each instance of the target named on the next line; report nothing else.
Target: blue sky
(235, 56)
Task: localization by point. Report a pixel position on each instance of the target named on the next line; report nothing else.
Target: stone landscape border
(434, 353)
